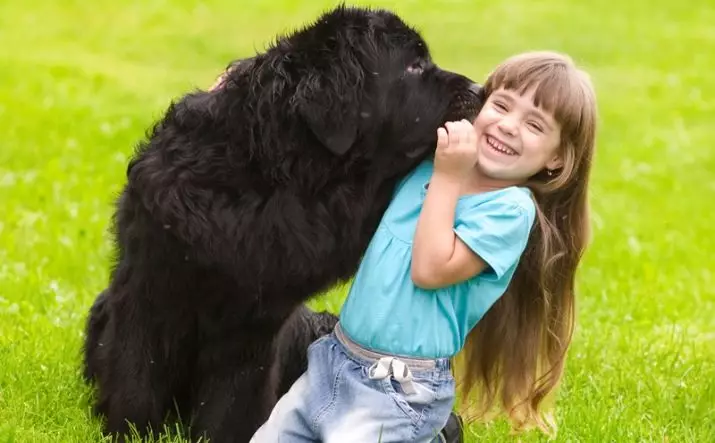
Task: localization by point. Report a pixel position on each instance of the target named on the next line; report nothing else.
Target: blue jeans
(351, 394)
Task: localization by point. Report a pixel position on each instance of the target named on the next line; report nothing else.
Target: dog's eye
(416, 67)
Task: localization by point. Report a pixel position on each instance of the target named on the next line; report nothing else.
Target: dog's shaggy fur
(245, 201)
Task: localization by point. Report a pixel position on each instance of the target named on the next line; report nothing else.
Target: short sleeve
(497, 231)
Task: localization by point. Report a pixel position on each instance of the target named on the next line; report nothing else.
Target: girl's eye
(500, 106)
(535, 126)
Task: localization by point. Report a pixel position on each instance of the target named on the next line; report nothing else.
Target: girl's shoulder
(511, 198)
(415, 181)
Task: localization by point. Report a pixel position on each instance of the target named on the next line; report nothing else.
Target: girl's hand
(219, 81)
(456, 152)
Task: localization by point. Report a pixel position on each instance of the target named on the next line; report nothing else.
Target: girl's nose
(507, 125)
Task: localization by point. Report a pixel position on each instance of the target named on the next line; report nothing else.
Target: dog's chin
(465, 106)
(466, 111)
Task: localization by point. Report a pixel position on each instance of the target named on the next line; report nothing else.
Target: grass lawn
(80, 82)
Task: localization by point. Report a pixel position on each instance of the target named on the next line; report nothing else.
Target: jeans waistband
(373, 356)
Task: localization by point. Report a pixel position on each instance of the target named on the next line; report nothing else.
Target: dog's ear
(329, 103)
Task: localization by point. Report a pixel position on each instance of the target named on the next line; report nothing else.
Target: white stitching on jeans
(333, 397)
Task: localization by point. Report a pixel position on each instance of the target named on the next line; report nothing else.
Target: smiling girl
(476, 254)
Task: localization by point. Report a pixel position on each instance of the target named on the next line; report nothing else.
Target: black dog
(291, 357)
(247, 200)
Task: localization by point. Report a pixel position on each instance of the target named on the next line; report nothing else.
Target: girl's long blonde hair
(514, 358)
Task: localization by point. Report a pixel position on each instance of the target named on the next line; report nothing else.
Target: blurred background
(80, 82)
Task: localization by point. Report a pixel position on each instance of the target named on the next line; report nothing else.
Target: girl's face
(515, 138)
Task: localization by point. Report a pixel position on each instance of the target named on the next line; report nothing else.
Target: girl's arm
(439, 257)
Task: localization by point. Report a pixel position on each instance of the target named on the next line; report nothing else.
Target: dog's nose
(475, 88)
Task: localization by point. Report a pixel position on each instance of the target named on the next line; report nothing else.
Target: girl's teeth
(499, 147)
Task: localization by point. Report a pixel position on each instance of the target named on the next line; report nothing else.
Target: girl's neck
(478, 183)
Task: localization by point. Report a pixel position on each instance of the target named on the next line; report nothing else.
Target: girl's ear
(556, 162)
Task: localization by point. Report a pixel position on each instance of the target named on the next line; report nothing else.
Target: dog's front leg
(234, 401)
(133, 376)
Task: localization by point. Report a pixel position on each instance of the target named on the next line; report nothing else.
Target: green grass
(80, 82)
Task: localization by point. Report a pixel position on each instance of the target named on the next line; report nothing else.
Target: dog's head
(364, 84)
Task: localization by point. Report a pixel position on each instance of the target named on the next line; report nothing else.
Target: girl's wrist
(446, 182)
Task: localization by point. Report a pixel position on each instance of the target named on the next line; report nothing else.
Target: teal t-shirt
(386, 312)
